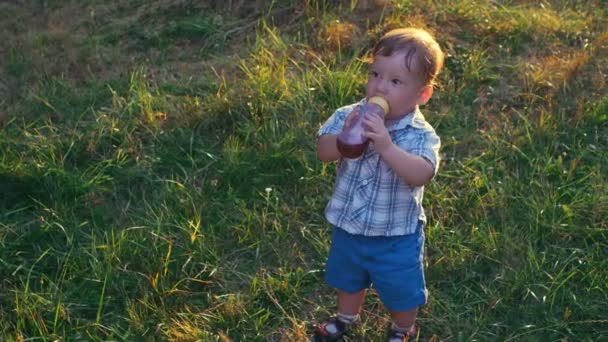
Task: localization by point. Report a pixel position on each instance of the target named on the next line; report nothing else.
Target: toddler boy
(376, 206)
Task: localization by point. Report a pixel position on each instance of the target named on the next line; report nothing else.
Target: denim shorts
(392, 265)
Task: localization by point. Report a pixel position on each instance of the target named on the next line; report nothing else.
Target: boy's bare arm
(327, 150)
(413, 169)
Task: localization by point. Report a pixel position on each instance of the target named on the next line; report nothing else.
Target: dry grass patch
(554, 71)
(537, 19)
(341, 35)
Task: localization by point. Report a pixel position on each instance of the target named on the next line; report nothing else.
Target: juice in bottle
(351, 142)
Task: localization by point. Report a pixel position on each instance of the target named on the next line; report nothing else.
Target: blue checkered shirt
(369, 198)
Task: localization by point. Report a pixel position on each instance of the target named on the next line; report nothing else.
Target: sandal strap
(409, 335)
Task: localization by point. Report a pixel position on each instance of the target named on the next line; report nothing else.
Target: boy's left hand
(377, 132)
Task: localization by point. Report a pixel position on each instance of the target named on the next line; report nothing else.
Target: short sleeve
(427, 146)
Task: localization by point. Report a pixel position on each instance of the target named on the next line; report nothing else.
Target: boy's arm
(327, 150)
(413, 169)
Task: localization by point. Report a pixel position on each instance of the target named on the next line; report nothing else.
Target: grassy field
(158, 177)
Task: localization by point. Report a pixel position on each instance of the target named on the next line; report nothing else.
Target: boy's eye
(396, 81)
(373, 74)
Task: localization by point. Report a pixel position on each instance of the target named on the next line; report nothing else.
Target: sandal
(336, 330)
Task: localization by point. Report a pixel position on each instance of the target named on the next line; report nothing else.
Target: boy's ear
(425, 95)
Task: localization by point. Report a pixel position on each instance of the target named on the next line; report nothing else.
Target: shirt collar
(414, 119)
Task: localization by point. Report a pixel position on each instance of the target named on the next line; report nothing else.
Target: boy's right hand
(351, 118)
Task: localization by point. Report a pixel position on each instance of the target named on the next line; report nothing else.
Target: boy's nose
(382, 87)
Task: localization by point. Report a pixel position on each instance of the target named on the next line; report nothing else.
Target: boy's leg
(404, 319)
(350, 303)
(398, 277)
(345, 273)
(403, 327)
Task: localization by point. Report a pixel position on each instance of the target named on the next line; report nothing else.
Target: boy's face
(403, 89)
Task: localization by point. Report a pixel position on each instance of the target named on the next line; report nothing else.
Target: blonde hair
(419, 47)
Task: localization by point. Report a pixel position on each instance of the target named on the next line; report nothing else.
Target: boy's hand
(377, 132)
(350, 119)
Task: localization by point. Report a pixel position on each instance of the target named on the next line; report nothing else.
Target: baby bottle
(351, 142)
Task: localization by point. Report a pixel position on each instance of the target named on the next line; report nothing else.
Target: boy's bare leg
(404, 319)
(350, 303)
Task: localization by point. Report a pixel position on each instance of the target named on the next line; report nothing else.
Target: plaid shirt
(369, 198)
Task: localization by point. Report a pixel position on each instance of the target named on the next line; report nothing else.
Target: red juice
(351, 150)
(351, 142)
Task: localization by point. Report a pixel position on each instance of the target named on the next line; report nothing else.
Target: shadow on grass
(16, 191)
(52, 186)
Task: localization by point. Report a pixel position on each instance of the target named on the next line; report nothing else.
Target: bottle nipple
(380, 102)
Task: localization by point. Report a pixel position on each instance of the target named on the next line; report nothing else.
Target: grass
(159, 179)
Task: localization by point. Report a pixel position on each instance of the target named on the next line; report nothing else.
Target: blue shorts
(392, 264)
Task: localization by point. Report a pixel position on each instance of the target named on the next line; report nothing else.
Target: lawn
(159, 180)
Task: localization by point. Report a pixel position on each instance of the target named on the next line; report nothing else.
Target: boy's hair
(418, 45)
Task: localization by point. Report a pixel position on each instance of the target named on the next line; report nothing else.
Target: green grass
(159, 179)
